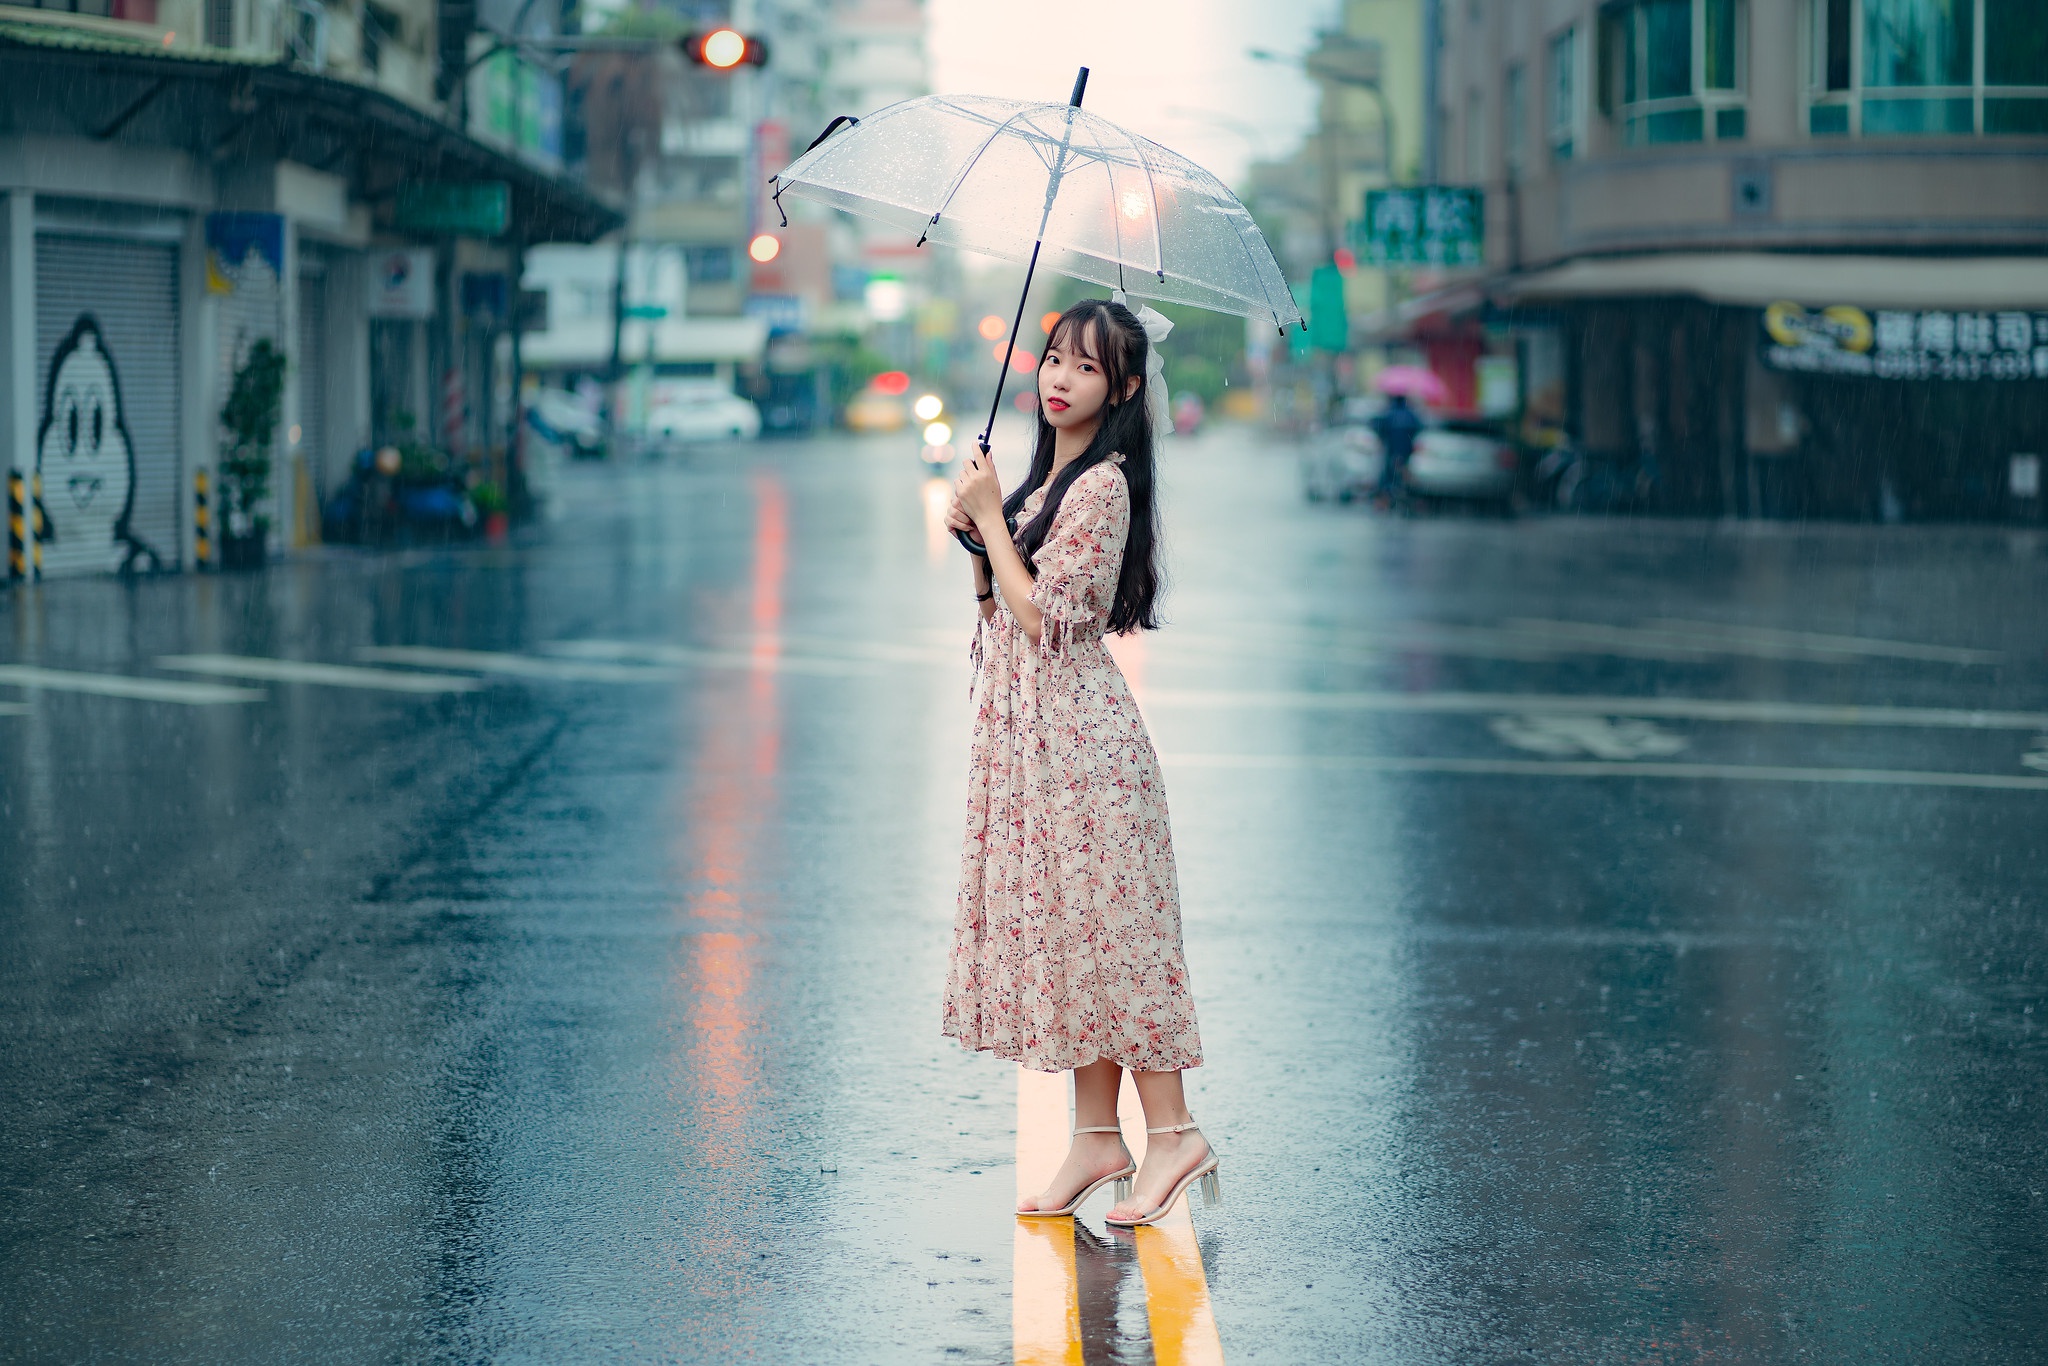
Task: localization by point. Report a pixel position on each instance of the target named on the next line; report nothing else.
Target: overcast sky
(1173, 70)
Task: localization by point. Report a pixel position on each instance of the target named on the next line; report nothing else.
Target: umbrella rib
(968, 169)
(1152, 189)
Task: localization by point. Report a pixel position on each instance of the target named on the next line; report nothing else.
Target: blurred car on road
(1462, 460)
(1455, 460)
(871, 410)
(566, 422)
(704, 412)
(1341, 462)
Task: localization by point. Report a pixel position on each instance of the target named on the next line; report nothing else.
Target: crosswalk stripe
(1667, 708)
(122, 685)
(518, 666)
(13, 709)
(1818, 640)
(307, 671)
(767, 654)
(1590, 768)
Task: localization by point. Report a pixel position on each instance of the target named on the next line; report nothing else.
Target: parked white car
(1341, 463)
(708, 412)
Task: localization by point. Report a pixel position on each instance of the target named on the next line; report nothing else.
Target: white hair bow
(1156, 325)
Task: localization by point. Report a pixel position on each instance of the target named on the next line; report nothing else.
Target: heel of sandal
(1212, 1189)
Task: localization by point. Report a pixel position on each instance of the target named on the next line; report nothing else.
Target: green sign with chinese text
(1423, 225)
(480, 208)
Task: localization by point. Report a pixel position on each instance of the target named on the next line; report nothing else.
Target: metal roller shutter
(130, 290)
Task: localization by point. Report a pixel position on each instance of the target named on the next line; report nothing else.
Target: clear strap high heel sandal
(1118, 1181)
(1204, 1171)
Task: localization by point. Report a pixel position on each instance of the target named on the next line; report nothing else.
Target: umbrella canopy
(1414, 381)
(1007, 177)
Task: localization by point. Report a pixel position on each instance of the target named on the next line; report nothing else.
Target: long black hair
(1110, 335)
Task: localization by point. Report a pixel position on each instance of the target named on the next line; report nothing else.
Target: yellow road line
(1045, 1298)
(1177, 1303)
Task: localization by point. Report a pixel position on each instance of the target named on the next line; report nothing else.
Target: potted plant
(492, 507)
(250, 419)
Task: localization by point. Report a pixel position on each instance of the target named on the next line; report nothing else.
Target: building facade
(1780, 257)
(180, 180)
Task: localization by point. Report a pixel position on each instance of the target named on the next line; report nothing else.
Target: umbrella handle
(968, 540)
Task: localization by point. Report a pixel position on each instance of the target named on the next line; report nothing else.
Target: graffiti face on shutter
(84, 455)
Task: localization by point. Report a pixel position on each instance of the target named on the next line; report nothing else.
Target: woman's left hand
(978, 490)
(956, 516)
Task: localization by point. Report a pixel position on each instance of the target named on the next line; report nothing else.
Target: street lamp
(1341, 59)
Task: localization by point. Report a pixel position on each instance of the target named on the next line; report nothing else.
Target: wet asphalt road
(584, 1005)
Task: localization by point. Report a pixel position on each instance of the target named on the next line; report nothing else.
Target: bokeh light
(927, 407)
(1047, 323)
(724, 49)
(765, 248)
(892, 382)
(990, 327)
(938, 434)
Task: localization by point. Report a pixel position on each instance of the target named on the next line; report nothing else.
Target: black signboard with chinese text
(1962, 344)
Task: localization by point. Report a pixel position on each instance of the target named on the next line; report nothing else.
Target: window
(709, 265)
(1563, 113)
(1515, 140)
(1910, 68)
(1675, 70)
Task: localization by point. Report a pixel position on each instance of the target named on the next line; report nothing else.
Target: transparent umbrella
(1050, 184)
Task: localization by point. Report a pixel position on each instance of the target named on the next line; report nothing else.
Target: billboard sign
(1966, 344)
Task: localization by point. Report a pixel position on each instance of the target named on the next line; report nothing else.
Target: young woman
(1066, 944)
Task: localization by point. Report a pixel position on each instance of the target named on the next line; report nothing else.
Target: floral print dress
(1066, 939)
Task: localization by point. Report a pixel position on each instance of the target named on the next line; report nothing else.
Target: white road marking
(13, 709)
(1595, 735)
(518, 666)
(1816, 640)
(2036, 756)
(305, 671)
(1590, 768)
(1663, 708)
(768, 654)
(1791, 645)
(121, 685)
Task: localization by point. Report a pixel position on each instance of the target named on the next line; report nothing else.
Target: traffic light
(722, 49)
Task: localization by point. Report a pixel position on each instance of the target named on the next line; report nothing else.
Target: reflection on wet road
(1614, 942)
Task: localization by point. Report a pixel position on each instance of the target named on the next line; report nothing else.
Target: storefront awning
(68, 81)
(1758, 279)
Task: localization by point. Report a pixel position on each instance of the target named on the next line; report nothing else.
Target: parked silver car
(1462, 460)
(1453, 459)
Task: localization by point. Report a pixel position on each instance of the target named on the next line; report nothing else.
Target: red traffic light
(722, 49)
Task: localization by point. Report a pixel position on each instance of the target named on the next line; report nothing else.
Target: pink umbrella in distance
(1415, 382)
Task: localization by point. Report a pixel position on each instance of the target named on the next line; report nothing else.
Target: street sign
(401, 283)
(1423, 225)
(1329, 329)
(645, 312)
(481, 208)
